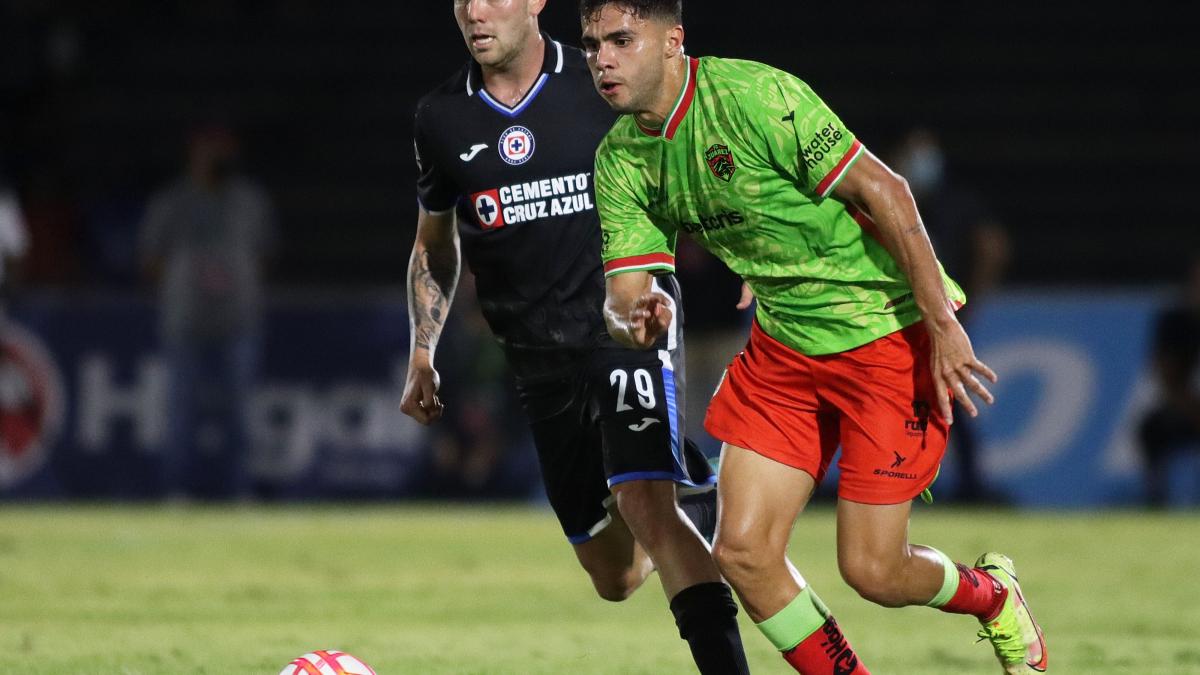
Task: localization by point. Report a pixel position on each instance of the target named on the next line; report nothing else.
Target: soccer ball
(327, 662)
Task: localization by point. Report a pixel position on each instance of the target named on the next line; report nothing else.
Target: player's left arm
(886, 198)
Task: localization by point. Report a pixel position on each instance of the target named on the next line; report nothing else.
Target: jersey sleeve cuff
(831, 180)
(432, 211)
(659, 262)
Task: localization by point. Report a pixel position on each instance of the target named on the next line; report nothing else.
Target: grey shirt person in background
(206, 239)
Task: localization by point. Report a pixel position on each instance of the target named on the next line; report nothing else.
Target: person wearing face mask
(205, 241)
(974, 248)
(1173, 425)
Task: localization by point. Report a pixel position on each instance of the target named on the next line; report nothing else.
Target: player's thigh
(767, 402)
(892, 440)
(570, 454)
(758, 502)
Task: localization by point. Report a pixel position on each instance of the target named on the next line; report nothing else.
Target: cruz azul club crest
(516, 145)
(720, 161)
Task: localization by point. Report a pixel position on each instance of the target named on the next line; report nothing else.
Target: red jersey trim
(682, 105)
(835, 176)
(640, 262)
(685, 104)
(864, 221)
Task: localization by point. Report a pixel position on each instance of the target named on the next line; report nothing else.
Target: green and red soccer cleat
(1014, 634)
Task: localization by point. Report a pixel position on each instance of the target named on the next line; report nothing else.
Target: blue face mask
(924, 168)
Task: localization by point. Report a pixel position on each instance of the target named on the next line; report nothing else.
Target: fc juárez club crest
(720, 161)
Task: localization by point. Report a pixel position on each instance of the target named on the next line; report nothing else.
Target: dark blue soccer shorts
(613, 415)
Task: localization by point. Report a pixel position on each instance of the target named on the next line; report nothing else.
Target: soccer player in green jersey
(855, 342)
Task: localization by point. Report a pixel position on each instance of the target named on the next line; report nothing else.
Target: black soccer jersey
(521, 181)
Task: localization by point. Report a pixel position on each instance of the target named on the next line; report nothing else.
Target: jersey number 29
(641, 382)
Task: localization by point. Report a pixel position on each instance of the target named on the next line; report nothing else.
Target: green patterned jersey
(746, 164)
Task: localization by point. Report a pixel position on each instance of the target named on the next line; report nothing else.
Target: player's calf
(882, 582)
(616, 585)
(804, 631)
(702, 604)
(614, 562)
(682, 558)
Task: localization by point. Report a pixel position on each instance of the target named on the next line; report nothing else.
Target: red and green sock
(968, 590)
(810, 639)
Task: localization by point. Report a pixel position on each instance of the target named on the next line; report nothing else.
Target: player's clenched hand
(648, 319)
(420, 400)
(955, 368)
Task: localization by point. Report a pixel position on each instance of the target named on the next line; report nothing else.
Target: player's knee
(740, 556)
(875, 580)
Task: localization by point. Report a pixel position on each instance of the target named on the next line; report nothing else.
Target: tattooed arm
(432, 277)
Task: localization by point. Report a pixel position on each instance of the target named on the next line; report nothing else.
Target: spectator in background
(205, 240)
(14, 238)
(974, 248)
(1175, 423)
(18, 412)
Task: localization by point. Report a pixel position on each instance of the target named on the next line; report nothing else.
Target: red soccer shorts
(876, 401)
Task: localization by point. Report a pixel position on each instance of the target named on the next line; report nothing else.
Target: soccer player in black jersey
(505, 149)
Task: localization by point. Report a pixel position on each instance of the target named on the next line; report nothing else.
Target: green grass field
(496, 590)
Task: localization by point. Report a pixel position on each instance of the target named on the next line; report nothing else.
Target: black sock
(701, 509)
(707, 618)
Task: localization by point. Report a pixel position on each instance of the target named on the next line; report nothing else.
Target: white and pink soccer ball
(327, 662)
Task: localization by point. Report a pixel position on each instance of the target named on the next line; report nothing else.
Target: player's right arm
(635, 316)
(432, 277)
(635, 247)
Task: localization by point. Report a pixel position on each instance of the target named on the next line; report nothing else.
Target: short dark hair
(642, 9)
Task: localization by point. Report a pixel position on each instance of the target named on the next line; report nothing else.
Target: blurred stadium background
(1056, 145)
